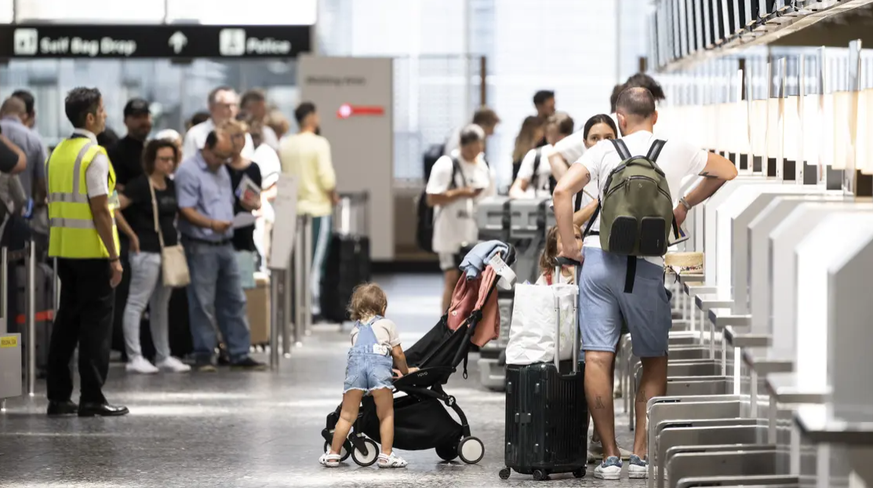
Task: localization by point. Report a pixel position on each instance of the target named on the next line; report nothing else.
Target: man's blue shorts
(603, 303)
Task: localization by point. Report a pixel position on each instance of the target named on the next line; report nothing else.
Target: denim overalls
(370, 362)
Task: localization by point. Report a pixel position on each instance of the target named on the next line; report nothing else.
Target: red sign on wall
(347, 110)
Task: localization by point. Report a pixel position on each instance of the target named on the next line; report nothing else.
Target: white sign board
(285, 226)
(354, 98)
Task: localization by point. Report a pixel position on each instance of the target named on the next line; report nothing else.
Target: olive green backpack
(636, 209)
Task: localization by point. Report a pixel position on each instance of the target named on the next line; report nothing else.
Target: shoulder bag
(174, 264)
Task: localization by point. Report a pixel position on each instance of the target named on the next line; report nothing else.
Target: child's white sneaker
(392, 461)
(329, 460)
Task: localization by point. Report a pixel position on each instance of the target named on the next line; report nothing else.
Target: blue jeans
(215, 295)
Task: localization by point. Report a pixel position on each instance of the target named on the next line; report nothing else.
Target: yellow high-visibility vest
(72, 231)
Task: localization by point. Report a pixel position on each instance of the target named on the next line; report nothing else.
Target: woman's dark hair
(79, 103)
(599, 119)
(198, 118)
(150, 153)
(549, 257)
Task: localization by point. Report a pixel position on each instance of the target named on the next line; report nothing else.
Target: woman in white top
(534, 178)
(456, 185)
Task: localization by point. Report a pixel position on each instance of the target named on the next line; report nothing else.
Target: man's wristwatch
(685, 203)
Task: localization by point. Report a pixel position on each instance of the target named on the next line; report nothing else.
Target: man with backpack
(457, 182)
(622, 276)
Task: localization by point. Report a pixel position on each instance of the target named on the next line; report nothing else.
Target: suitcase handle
(575, 350)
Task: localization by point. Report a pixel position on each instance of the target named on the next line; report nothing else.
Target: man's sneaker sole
(640, 473)
(611, 475)
(207, 369)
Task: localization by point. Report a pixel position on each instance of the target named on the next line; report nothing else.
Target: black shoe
(56, 409)
(248, 364)
(223, 359)
(101, 410)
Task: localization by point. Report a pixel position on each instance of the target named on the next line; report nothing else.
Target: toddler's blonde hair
(368, 300)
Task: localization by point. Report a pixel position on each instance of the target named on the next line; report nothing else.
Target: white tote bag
(536, 311)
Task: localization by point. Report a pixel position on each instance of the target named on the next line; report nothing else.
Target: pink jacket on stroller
(472, 295)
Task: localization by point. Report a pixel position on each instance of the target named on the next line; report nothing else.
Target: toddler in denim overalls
(369, 371)
(370, 362)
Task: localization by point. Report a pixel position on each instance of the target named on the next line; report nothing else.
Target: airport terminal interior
(436, 243)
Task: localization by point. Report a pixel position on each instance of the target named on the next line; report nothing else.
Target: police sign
(152, 41)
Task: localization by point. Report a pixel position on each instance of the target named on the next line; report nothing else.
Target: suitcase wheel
(504, 473)
(579, 473)
(540, 475)
(471, 450)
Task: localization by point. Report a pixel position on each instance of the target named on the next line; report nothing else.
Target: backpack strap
(535, 177)
(456, 170)
(621, 148)
(655, 150)
(630, 274)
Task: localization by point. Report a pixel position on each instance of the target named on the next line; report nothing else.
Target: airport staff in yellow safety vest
(84, 239)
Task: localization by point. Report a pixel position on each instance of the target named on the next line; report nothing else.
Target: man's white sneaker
(609, 469)
(173, 365)
(141, 365)
(638, 469)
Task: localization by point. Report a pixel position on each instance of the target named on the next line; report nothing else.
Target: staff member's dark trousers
(84, 319)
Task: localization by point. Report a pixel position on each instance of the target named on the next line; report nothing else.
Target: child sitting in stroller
(375, 349)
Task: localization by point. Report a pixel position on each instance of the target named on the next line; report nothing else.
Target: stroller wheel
(368, 458)
(504, 473)
(344, 452)
(471, 450)
(447, 452)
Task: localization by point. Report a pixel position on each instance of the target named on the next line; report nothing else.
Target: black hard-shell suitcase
(347, 266)
(547, 417)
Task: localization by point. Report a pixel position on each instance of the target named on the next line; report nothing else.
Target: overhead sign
(153, 41)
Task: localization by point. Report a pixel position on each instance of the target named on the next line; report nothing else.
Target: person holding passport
(215, 295)
(457, 183)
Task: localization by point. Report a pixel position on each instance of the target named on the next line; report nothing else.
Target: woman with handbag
(157, 260)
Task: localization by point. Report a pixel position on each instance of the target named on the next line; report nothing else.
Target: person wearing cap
(485, 118)
(223, 106)
(126, 157)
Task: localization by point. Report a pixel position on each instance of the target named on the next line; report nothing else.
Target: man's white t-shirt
(678, 160)
(455, 223)
(572, 147)
(544, 172)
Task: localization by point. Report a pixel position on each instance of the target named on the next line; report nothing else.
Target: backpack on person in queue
(636, 209)
(426, 213)
(535, 178)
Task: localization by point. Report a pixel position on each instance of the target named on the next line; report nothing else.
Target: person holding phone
(457, 183)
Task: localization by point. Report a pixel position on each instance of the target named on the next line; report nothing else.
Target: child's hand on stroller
(412, 370)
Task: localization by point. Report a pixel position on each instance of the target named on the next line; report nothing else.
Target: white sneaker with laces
(392, 461)
(173, 365)
(141, 365)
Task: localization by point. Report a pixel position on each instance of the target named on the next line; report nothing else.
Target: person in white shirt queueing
(603, 301)
(456, 184)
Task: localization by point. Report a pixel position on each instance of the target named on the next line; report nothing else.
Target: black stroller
(420, 419)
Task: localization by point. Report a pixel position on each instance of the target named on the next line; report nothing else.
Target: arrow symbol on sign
(178, 41)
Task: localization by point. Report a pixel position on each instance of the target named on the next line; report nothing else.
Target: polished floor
(233, 429)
